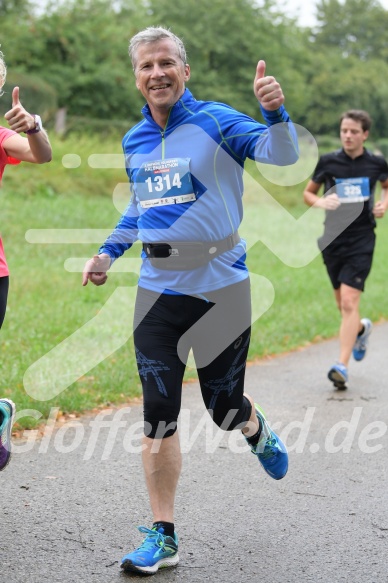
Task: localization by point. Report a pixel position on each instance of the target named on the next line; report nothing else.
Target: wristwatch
(38, 125)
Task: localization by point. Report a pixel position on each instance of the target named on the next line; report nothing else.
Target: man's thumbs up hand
(267, 90)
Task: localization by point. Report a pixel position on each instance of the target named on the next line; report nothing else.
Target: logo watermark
(222, 177)
(112, 429)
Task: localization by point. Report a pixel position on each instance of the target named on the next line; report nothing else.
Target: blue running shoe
(156, 551)
(360, 346)
(270, 450)
(7, 413)
(338, 374)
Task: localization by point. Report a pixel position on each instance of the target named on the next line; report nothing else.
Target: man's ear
(366, 134)
(187, 72)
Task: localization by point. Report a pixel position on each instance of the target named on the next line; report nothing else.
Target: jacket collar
(178, 112)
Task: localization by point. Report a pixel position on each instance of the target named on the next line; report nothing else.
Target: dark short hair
(359, 115)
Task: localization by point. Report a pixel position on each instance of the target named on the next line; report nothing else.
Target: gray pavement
(72, 499)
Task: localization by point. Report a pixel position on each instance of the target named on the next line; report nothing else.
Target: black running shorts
(350, 270)
(216, 326)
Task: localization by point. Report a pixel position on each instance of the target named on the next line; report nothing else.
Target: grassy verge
(49, 308)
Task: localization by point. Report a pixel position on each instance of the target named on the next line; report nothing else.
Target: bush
(76, 125)
(328, 142)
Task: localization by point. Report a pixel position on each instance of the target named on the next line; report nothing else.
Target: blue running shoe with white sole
(155, 552)
(360, 346)
(338, 374)
(7, 413)
(270, 450)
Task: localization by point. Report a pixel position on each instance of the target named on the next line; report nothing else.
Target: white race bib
(164, 182)
(352, 189)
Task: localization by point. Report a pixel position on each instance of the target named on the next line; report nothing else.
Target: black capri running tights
(217, 328)
(4, 284)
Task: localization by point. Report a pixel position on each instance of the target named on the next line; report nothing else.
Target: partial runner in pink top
(4, 159)
(14, 148)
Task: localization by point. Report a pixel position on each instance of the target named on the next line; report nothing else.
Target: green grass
(48, 307)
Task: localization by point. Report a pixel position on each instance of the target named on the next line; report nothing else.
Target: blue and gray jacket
(186, 183)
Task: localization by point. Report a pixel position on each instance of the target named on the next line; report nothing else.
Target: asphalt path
(71, 500)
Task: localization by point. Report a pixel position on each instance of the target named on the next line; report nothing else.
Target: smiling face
(352, 137)
(160, 76)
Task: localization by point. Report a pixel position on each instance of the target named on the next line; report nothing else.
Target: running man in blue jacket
(185, 163)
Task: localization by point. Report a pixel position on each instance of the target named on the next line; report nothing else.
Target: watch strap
(38, 125)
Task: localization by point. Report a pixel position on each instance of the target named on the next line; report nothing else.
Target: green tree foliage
(355, 27)
(18, 7)
(349, 68)
(79, 47)
(224, 43)
(338, 85)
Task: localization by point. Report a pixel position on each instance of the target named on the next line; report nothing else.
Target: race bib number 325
(353, 189)
(164, 182)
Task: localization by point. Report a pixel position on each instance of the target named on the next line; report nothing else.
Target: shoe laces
(153, 538)
(270, 445)
(267, 451)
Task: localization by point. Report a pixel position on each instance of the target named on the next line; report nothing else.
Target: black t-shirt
(354, 180)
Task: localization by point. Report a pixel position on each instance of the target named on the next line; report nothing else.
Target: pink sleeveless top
(4, 159)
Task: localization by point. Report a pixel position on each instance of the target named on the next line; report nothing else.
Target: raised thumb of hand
(260, 69)
(15, 97)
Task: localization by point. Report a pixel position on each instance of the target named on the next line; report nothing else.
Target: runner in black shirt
(349, 177)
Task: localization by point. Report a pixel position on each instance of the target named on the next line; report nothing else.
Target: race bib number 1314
(164, 182)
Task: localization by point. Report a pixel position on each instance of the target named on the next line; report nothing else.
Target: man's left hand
(267, 90)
